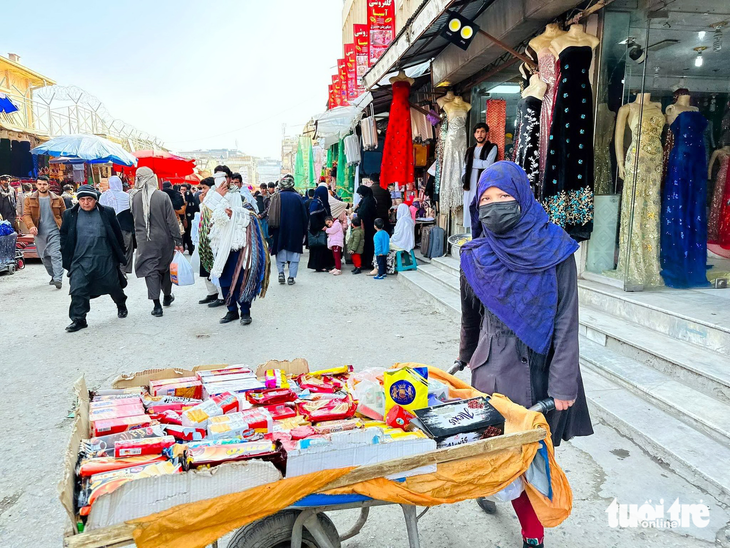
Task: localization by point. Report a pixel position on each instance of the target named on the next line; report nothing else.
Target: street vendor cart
(292, 511)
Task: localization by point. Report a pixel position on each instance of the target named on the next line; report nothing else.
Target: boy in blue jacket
(382, 247)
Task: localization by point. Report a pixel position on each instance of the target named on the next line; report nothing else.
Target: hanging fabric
(369, 133)
(421, 128)
(352, 149)
(397, 166)
(497, 122)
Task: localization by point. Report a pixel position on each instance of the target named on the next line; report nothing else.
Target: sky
(194, 73)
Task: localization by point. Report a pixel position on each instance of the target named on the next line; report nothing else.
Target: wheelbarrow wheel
(275, 532)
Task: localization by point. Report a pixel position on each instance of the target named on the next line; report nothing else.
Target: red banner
(336, 90)
(381, 27)
(351, 68)
(330, 96)
(362, 42)
(342, 74)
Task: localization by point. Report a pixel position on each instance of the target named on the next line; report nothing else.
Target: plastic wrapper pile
(301, 423)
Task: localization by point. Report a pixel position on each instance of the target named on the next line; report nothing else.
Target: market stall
(167, 166)
(181, 457)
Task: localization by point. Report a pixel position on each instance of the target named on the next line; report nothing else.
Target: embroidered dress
(397, 164)
(451, 192)
(568, 184)
(527, 152)
(713, 225)
(605, 122)
(549, 69)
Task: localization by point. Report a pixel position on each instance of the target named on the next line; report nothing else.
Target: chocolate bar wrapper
(330, 427)
(103, 446)
(328, 410)
(271, 397)
(145, 446)
(98, 465)
(211, 455)
(449, 419)
(114, 426)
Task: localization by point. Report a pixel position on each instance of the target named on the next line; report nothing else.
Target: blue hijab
(513, 274)
(321, 201)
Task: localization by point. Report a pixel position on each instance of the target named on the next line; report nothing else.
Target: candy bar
(216, 454)
(328, 410)
(234, 369)
(271, 397)
(103, 446)
(198, 416)
(275, 378)
(146, 446)
(313, 383)
(187, 387)
(115, 412)
(330, 427)
(113, 426)
(97, 465)
(186, 433)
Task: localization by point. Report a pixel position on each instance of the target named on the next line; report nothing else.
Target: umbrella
(6, 104)
(165, 164)
(90, 148)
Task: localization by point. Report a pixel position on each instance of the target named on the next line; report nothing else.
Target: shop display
(639, 242)
(684, 214)
(720, 191)
(315, 431)
(497, 122)
(451, 191)
(529, 109)
(568, 185)
(397, 165)
(605, 121)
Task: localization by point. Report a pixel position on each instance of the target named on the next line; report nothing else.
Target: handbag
(317, 240)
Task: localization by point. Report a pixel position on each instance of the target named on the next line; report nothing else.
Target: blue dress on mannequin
(684, 214)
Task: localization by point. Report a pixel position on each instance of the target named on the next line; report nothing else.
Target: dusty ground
(329, 321)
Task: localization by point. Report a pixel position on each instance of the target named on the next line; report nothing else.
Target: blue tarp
(90, 148)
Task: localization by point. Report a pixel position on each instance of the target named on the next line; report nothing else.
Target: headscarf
(404, 234)
(321, 201)
(115, 197)
(248, 198)
(337, 207)
(146, 183)
(175, 197)
(367, 209)
(286, 182)
(513, 274)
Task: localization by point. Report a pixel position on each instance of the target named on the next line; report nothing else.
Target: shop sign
(342, 74)
(330, 96)
(362, 43)
(337, 90)
(381, 27)
(351, 67)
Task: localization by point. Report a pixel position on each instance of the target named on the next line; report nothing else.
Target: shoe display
(357, 271)
(157, 311)
(58, 285)
(167, 300)
(291, 281)
(122, 312)
(208, 299)
(216, 303)
(229, 317)
(246, 319)
(282, 279)
(76, 325)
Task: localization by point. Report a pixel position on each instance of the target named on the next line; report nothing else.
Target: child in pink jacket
(335, 241)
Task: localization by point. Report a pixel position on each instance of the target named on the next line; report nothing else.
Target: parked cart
(8, 253)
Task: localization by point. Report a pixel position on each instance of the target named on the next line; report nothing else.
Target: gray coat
(156, 253)
(502, 363)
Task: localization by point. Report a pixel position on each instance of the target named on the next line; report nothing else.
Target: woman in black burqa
(320, 256)
(367, 211)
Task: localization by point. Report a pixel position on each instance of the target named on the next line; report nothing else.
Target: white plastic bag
(509, 493)
(181, 273)
(195, 260)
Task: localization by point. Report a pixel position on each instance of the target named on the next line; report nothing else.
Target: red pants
(531, 526)
(337, 252)
(357, 260)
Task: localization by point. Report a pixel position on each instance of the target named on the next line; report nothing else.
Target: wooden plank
(108, 537)
(395, 466)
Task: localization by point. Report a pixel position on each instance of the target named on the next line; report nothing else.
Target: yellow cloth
(198, 524)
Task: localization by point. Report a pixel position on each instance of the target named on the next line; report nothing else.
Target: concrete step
(672, 396)
(687, 315)
(695, 456)
(449, 281)
(443, 298)
(448, 264)
(696, 366)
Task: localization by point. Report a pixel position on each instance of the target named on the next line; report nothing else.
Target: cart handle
(458, 366)
(544, 406)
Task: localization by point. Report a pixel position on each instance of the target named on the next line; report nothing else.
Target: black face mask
(500, 217)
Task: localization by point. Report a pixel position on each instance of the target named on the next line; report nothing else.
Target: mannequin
(536, 89)
(714, 157)
(680, 105)
(575, 36)
(525, 74)
(446, 98)
(401, 77)
(542, 41)
(455, 143)
(457, 107)
(719, 206)
(628, 113)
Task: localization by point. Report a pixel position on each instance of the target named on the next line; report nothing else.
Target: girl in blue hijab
(519, 310)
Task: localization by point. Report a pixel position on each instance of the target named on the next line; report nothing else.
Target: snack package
(330, 427)
(259, 419)
(328, 410)
(211, 389)
(275, 378)
(398, 417)
(130, 392)
(97, 465)
(118, 402)
(116, 412)
(103, 446)
(282, 411)
(227, 402)
(341, 370)
(145, 446)
(186, 433)
(200, 455)
(163, 401)
(271, 397)
(302, 432)
(370, 398)
(291, 423)
(224, 372)
(114, 426)
(167, 417)
(229, 426)
(325, 384)
(198, 416)
(407, 387)
(186, 387)
(459, 417)
(100, 484)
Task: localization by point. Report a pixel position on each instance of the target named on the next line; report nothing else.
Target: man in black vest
(477, 158)
(92, 247)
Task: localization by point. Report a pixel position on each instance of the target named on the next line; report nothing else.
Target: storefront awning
(337, 122)
(420, 39)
